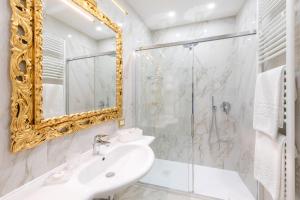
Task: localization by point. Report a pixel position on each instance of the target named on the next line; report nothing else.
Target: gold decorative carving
(28, 128)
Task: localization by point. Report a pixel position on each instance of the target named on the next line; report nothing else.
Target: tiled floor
(148, 192)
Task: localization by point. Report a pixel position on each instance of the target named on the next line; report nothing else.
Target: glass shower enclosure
(96, 90)
(164, 110)
(196, 99)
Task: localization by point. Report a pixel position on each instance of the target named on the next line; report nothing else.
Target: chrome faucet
(99, 140)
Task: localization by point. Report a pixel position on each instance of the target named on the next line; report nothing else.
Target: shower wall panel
(216, 140)
(164, 101)
(246, 62)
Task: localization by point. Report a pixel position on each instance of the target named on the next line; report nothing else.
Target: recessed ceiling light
(69, 36)
(211, 6)
(171, 14)
(99, 28)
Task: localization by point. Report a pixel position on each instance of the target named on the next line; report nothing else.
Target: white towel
(269, 164)
(268, 102)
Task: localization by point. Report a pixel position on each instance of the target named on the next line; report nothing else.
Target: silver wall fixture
(226, 107)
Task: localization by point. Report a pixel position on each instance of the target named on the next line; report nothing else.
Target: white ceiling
(155, 13)
(67, 15)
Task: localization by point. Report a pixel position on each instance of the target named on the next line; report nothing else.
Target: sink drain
(110, 174)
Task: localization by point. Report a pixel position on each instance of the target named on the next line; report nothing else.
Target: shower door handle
(192, 126)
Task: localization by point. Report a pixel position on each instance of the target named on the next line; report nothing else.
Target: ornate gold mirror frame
(28, 128)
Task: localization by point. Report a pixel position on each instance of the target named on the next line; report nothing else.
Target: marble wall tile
(215, 139)
(246, 63)
(245, 79)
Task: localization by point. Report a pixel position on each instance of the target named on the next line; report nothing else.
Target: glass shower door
(105, 81)
(224, 72)
(163, 110)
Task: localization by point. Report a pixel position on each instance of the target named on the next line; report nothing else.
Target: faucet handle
(102, 139)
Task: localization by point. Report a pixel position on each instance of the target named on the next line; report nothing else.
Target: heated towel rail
(276, 47)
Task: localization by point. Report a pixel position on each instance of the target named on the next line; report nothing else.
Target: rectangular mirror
(77, 75)
(62, 78)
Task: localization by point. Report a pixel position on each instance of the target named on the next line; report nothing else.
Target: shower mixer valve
(226, 107)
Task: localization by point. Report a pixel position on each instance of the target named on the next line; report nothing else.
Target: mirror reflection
(79, 62)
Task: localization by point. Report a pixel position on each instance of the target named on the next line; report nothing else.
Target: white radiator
(53, 59)
(271, 29)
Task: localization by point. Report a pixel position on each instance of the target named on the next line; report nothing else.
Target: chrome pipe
(108, 53)
(196, 41)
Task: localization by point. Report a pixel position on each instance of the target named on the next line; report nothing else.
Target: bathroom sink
(116, 170)
(92, 176)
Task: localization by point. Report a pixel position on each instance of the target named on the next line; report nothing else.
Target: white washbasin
(125, 162)
(122, 167)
